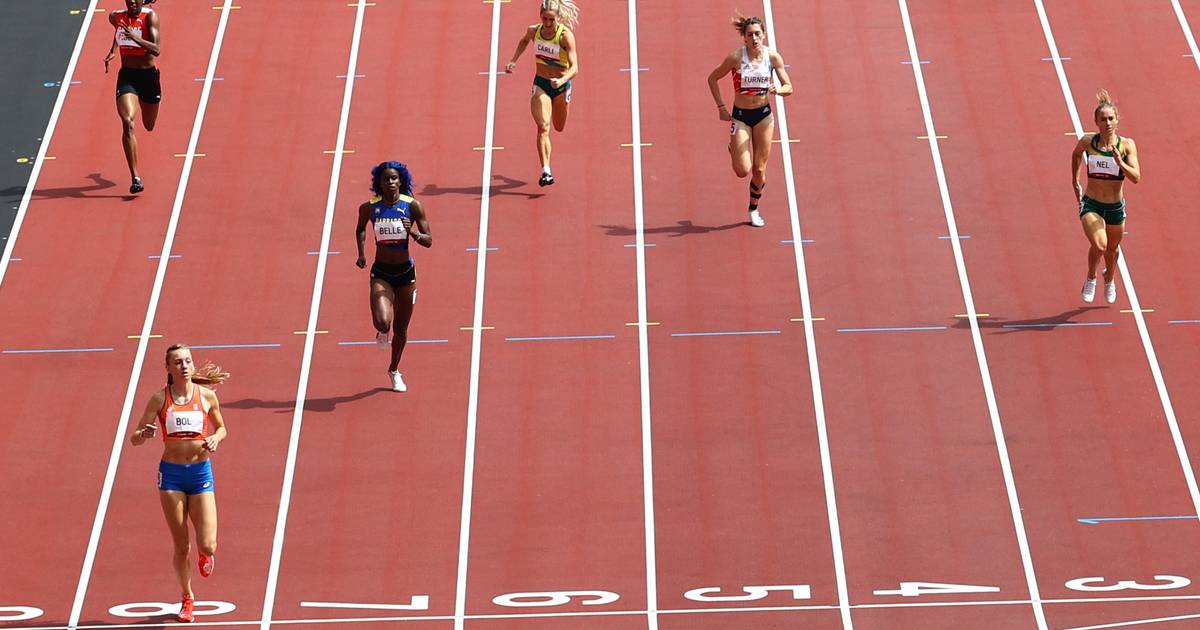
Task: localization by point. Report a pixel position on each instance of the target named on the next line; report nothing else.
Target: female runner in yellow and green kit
(557, 63)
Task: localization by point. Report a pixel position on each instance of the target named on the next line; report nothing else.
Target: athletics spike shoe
(1089, 290)
(381, 340)
(1110, 291)
(136, 187)
(186, 611)
(206, 565)
(756, 219)
(546, 180)
(398, 382)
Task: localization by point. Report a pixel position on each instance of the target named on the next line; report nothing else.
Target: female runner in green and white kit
(1110, 160)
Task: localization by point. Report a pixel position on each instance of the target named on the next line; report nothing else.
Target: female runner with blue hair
(396, 217)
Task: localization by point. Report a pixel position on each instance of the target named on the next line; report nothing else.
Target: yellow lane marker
(815, 319)
(1144, 310)
(483, 148)
(495, 1)
(790, 141)
(183, 155)
(976, 315)
(480, 328)
(344, 151)
(148, 336)
(629, 145)
(647, 323)
(927, 137)
(232, 6)
(315, 332)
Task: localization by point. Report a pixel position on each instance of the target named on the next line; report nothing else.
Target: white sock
(545, 170)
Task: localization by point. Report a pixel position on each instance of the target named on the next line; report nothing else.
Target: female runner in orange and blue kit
(396, 216)
(185, 411)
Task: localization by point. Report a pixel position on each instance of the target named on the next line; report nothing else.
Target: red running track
(556, 494)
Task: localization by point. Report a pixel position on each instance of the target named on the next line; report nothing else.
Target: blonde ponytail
(207, 374)
(567, 11)
(1104, 100)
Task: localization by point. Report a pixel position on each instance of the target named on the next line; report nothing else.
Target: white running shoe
(1089, 290)
(1110, 291)
(381, 340)
(398, 382)
(756, 219)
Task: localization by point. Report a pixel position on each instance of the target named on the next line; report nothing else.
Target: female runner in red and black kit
(185, 412)
(396, 217)
(138, 80)
(754, 67)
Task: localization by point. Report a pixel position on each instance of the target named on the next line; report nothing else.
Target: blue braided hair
(406, 180)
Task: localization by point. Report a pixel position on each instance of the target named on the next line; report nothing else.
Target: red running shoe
(186, 612)
(206, 565)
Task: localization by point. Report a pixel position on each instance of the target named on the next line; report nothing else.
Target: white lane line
(23, 207)
(810, 341)
(1187, 33)
(637, 613)
(85, 574)
(489, 134)
(639, 219)
(1136, 622)
(1185, 461)
(1010, 484)
(289, 469)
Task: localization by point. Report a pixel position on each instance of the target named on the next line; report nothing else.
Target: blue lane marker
(490, 249)
(1097, 521)
(1064, 324)
(731, 332)
(562, 338)
(892, 329)
(220, 346)
(20, 259)
(1173, 321)
(169, 256)
(960, 236)
(803, 241)
(909, 63)
(642, 69)
(319, 253)
(635, 245)
(372, 342)
(55, 350)
(498, 73)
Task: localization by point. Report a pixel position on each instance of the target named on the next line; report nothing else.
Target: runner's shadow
(506, 188)
(318, 405)
(1039, 324)
(72, 192)
(682, 227)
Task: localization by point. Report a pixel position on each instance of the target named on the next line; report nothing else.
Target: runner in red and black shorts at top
(138, 81)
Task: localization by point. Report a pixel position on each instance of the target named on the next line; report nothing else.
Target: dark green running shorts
(1112, 213)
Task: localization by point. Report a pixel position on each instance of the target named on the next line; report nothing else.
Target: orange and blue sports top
(549, 52)
(389, 222)
(187, 420)
(137, 24)
(751, 79)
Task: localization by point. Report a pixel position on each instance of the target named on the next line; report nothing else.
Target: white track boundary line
(1164, 397)
(1183, 24)
(639, 218)
(1136, 622)
(164, 258)
(489, 134)
(23, 208)
(810, 340)
(1010, 484)
(638, 613)
(289, 470)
